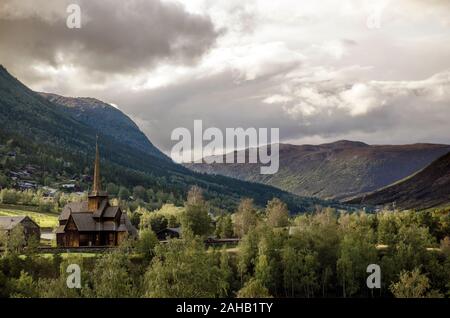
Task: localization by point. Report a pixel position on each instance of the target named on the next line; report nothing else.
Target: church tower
(96, 196)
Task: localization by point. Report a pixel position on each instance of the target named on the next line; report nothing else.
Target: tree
(112, 189)
(319, 232)
(139, 193)
(56, 288)
(172, 221)
(356, 252)
(146, 243)
(245, 217)
(24, 286)
(226, 271)
(248, 252)
(184, 269)
(124, 194)
(16, 239)
(277, 213)
(268, 262)
(195, 218)
(253, 288)
(154, 221)
(9, 196)
(413, 284)
(110, 277)
(408, 250)
(195, 195)
(224, 227)
(290, 271)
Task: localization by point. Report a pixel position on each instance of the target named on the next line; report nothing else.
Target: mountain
(60, 140)
(335, 170)
(425, 189)
(108, 119)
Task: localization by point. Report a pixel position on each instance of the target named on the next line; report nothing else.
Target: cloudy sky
(376, 71)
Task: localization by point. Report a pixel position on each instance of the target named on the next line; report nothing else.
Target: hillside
(108, 119)
(425, 189)
(59, 145)
(335, 170)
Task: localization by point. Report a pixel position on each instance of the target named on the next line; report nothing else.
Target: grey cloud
(400, 108)
(116, 36)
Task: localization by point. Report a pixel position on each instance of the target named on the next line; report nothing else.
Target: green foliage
(195, 218)
(154, 221)
(277, 213)
(224, 227)
(111, 278)
(253, 289)
(112, 189)
(146, 243)
(324, 254)
(300, 272)
(16, 240)
(245, 217)
(24, 286)
(357, 250)
(184, 269)
(413, 284)
(123, 194)
(139, 193)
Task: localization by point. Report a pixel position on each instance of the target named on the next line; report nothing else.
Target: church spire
(97, 196)
(97, 188)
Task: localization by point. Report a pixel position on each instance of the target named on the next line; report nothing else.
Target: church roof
(84, 222)
(73, 207)
(111, 212)
(105, 210)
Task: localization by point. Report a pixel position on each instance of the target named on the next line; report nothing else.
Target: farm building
(30, 228)
(93, 222)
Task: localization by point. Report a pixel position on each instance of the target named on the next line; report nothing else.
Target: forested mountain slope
(425, 189)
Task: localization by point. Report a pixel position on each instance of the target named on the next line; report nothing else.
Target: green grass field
(42, 219)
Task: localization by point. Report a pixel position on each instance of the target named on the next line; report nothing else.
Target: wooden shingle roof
(10, 222)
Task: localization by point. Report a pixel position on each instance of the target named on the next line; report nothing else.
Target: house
(170, 232)
(30, 228)
(93, 222)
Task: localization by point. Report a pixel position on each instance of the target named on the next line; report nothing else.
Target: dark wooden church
(93, 222)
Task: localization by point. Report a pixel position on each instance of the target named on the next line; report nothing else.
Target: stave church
(93, 222)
